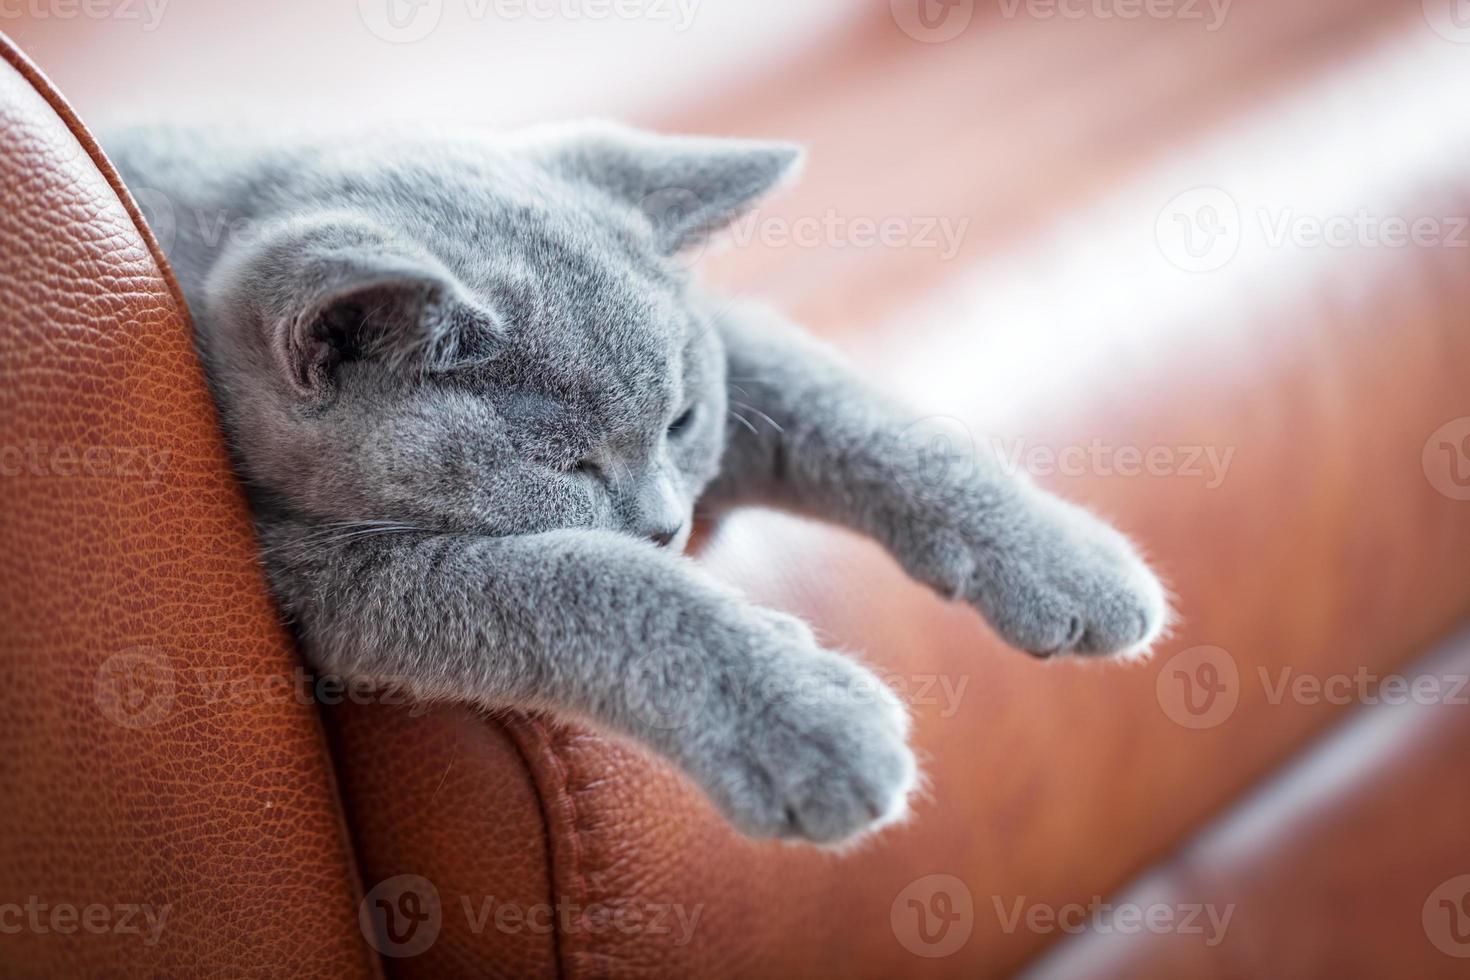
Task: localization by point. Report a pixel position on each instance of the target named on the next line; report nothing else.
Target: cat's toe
(1073, 586)
(828, 761)
(1125, 605)
(848, 808)
(839, 799)
(1112, 613)
(1128, 615)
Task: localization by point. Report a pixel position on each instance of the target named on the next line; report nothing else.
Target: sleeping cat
(475, 398)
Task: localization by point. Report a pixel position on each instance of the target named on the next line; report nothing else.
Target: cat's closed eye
(682, 422)
(588, 468)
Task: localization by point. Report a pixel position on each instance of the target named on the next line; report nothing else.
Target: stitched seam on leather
(577, 846)
(521, 732)
(552, 777)
(332, 750)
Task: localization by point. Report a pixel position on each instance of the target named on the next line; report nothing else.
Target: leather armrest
(168, 806)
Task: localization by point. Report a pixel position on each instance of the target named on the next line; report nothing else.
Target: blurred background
(1203, 265)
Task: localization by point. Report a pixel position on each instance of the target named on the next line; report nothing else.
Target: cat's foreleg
(788, 739)
(805, 434)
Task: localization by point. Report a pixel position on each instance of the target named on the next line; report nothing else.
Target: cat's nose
(663, 536)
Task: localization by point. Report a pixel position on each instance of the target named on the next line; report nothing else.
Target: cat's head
(487, 335)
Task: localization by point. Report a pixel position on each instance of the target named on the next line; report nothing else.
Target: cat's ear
(688, 187)
(342, 290)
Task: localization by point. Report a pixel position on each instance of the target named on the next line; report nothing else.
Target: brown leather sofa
(175, 804)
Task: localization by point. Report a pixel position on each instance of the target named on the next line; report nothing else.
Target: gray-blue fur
(475, 398)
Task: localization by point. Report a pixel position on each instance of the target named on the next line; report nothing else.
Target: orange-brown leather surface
(1353, 862)
(136, 777)
(455, 803)
(1326, 549)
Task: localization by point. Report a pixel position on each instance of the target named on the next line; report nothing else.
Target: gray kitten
(475, 399)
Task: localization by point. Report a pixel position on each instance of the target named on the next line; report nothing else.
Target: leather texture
(148, 763)
(422, 790)
(1364, 871)
(554, 851)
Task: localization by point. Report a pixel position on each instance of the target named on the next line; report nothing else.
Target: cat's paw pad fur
(1085, 590)
(820, 752)
(1053, 579)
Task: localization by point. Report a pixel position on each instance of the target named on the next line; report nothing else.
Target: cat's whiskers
(333, 533)
(751, 408)
(743, 421)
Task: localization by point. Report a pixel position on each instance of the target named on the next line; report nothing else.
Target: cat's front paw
(818, 750)
(1052, 579)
